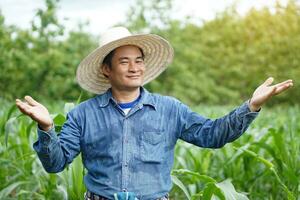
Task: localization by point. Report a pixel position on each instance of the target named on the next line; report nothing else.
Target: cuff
(45, 137)
(244, 109)
(248, 104)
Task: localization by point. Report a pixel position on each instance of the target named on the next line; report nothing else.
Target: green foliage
(225, 59)
(220, 61)
(41, 61)
(148, 15)
(263, 163)
(22, 174)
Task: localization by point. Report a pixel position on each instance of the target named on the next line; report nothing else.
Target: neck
(125, 96)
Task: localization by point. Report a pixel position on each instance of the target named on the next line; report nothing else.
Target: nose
(133, 67)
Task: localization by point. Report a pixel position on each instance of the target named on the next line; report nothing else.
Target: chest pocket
(152, 146)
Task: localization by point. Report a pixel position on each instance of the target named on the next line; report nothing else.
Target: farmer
(126, 134)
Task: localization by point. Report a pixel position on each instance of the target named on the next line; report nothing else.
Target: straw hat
(158, 54)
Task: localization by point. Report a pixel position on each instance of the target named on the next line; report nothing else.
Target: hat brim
(158, 54)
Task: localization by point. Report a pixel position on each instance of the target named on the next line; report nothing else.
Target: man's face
(127, 68)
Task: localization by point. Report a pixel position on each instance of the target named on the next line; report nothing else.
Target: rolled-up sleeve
(208, 133)
(54, 150)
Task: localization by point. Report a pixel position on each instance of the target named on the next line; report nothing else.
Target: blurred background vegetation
(220, 61)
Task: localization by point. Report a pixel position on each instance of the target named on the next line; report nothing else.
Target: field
(263, 164)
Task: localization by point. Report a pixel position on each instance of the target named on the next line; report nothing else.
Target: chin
(133, 86)
(136, 83)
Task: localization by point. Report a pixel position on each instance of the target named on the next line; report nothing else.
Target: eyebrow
(127, 58)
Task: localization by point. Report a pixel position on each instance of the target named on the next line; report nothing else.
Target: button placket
(124, 153)
(126, 149)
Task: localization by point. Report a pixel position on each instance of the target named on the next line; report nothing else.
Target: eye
(124, 62)
(139, 61)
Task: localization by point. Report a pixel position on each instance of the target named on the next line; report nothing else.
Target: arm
(55, 152)
(216, 133)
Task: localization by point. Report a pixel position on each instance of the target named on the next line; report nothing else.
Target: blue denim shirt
(134, 152)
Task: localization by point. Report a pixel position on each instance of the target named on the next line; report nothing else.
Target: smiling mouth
(134, 77)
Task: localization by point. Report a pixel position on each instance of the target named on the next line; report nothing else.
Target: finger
(23, 107)
(31, 101)
(19, 102)
(272, 91)
(282, 88)
(269, 81)
(284, 83)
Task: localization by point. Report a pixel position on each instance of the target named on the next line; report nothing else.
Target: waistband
(91, 196)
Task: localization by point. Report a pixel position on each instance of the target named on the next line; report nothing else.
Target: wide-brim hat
(158, 54)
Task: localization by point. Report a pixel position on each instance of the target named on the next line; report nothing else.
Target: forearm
(216, 133)
(233, 125)
(49, 151)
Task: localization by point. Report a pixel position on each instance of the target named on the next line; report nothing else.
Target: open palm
(265, 91)
(36, 111)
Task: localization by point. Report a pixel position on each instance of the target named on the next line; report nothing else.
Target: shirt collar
(146, 98)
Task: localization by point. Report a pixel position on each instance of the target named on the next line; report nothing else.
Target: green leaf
(229, 191)
(208, 191)
(177, 182)
(79, 98)
(68, 107)
(8, 189)
(186, 172)
(59, 119)
(9, 113)
(267, 163)
(10, 126)
(29, 127)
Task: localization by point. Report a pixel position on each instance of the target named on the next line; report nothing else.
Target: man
(127, 135)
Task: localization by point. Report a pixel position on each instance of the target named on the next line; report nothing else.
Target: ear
(105, 70)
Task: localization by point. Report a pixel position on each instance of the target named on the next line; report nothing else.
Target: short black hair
(108, 59)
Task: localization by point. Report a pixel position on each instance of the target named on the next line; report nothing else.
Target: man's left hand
(265, 91)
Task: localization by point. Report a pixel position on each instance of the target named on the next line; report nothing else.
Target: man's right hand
(36, 111)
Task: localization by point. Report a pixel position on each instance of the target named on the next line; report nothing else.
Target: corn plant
(263, 164)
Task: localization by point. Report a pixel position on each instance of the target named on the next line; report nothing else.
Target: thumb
(31, 101)
(269, 81)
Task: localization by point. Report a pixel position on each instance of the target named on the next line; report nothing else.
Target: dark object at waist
(91, 196)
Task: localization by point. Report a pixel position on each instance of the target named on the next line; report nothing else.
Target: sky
(102, 14)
